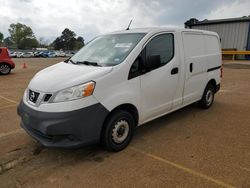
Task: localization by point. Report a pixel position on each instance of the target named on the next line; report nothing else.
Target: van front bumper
(64, 129)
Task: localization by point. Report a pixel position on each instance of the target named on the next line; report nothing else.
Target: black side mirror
(153, 62)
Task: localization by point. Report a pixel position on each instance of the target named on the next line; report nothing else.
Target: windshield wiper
(88, 63)
(69, 60)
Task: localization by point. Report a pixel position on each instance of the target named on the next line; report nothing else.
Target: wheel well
(5, 63)
(213, 83)
(129, 108)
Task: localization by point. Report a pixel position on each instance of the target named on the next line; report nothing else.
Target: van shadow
(166, 120)
(95, 153)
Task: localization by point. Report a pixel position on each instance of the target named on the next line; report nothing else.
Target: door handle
(191, 67)
(174, 70)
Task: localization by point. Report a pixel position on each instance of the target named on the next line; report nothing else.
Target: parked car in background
(13, 54)
(48, 54)
(69, 54)
(57, 53)
(18, 54)
(27, 54)
(51, 54)
(6, 64)
(37, 54)
(44, 54)
(60, 54)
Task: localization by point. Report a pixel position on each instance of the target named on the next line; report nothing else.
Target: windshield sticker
(123, 45)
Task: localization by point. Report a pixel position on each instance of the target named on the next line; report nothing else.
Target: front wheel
(208, 97)
(4, 69)
(118, 131)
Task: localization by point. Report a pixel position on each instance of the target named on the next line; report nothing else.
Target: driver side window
(162, 45)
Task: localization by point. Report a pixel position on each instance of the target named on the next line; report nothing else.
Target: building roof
(194, 21)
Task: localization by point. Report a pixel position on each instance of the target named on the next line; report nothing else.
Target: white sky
(48, 18)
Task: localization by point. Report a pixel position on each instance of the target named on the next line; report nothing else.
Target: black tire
(110, 139)
(208, 97)
(4, 69)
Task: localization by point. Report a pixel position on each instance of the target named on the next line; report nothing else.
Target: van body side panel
(115, 89)
(179, 51)
(195, 66)
(158, 87)
(213, 50)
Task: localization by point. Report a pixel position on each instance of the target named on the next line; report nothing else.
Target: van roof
(162, 29)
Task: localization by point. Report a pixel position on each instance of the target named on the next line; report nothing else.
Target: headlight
(75, 92)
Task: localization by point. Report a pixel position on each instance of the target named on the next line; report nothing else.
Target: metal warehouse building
(234, 32)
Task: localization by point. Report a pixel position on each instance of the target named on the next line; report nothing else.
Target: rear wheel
(208, 97)
(4, 69)
(118, 131)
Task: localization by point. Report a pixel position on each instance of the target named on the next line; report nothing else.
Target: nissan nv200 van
(119, 81)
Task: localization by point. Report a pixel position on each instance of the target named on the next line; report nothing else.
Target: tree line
(22, 37)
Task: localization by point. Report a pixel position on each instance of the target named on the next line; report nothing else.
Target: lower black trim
(64, 129)
(214, 68)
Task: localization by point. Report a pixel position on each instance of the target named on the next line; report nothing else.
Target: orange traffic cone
(24, 66)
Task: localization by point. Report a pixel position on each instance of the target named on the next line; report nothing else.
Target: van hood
(65, 75)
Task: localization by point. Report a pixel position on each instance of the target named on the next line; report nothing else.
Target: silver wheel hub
(209, 97)
(120, 131)
(4, 69)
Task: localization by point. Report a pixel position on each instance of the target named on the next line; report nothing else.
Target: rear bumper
(64, 129)
(13, 66)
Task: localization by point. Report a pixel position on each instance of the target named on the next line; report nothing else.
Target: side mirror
(153, 62)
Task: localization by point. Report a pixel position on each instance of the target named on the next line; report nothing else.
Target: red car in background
(6, 64)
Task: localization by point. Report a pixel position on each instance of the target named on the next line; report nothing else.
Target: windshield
(107, 50)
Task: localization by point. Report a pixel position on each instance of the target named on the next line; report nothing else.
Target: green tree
(67, 41)
(8, 43)
(58, 44)
(1, 38)
(80, 39)
(28, 43)
(21, 34)
(79, 43)
(68, 37)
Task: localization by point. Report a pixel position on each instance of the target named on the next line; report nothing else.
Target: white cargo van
(119, 81)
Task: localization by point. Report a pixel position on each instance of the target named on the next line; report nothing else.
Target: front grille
(33, 96)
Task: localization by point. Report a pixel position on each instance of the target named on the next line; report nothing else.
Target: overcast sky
(48, 18)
